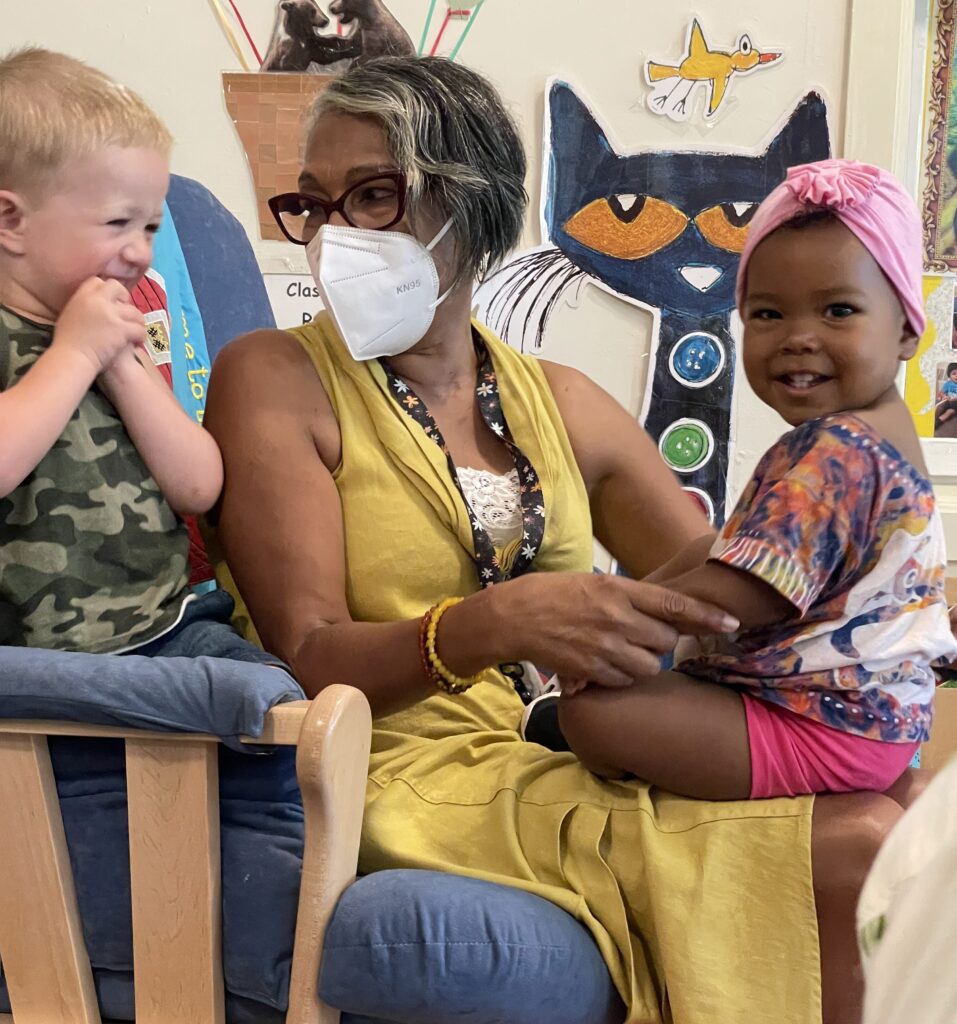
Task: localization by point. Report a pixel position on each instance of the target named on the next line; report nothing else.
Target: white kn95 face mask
(380, 287)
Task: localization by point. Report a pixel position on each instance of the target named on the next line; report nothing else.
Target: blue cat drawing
(664, 230)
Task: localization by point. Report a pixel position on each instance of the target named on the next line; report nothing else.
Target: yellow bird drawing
(703, 65)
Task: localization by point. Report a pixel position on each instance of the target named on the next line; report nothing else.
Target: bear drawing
(377, 29)
(296, 42)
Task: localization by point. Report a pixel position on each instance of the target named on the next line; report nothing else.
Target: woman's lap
(707, 901)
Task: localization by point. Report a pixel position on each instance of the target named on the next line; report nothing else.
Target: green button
(686, 445)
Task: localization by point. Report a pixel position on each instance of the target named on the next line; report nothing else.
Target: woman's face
(341, 150)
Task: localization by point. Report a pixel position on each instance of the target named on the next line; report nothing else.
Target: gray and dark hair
(449, 132)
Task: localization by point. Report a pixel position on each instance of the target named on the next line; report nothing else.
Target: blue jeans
(205, 630)
(202, 676)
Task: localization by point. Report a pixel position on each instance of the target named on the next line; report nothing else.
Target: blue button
(697, 359)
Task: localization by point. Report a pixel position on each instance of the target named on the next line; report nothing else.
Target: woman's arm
(640, 513)
(280, 524)
(691, 557)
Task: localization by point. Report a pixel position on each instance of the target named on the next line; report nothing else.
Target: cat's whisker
(528, 273)
(571, 275)
(542, 284)
(516, 271)
(535, 281)
(531, 288)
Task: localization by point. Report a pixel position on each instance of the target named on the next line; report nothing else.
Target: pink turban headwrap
(868, 201)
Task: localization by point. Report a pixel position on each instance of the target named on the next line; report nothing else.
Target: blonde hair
(54, 108)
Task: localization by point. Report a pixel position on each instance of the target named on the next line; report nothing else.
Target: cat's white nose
(699, 277)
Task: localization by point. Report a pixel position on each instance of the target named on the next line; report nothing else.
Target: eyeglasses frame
(329, 207)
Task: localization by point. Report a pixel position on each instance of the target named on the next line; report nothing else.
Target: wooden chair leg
(173, 790)
(41, 941)
(332, 762)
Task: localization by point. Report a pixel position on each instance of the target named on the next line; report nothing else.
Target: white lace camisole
(495, 501)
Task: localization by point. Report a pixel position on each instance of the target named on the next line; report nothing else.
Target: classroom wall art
(305, 38)
(930, 389)
(268, 110)
(701, 69)
(662, 230)
(444, 34)
(940, 143)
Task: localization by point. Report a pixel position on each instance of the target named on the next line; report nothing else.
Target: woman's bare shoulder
(266, 380)
(564, 379)
(269, 362)
(265, 354)
(583, 404)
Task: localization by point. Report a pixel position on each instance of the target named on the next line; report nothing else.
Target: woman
(351, 446)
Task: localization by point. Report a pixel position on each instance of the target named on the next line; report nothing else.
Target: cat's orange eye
(726, 225)
(628, 227)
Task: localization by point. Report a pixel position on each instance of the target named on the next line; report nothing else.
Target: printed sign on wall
(294, 298)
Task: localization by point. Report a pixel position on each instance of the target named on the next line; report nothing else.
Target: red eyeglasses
(375, 203)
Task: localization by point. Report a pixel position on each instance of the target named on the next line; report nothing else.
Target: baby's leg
(909, 786)
(685, 735)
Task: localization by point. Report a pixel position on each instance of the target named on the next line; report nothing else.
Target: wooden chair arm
(332, 763)
(172, 785)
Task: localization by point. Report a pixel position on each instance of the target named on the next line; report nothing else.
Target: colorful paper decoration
(454, 12)
(674, 83)
(926, 372)
(267, 110)
(662, 230)
(940, 148)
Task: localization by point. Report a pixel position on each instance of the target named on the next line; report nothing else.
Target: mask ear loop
(435, 241)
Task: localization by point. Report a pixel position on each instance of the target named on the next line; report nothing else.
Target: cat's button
(687, 445)
(697, 359)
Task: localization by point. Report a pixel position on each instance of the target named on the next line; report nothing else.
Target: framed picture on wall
(940, 142)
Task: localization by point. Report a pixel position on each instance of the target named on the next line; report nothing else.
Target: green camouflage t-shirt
(92, 557)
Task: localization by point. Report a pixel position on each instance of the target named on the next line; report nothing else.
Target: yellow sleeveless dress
(704, 912)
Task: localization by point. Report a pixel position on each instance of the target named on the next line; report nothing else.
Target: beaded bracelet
(431, 676)
(438, 671)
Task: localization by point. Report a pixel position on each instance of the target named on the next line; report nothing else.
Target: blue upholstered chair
(402, 947)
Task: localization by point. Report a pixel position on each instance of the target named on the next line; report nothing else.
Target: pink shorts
(792, 755)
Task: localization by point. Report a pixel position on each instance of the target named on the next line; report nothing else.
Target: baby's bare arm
(35, 410)
(183, 459)
(749, 599)
(96, 325)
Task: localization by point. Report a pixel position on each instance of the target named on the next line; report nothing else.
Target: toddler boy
(98, 463)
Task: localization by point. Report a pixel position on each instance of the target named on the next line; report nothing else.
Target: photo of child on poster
(945, 409)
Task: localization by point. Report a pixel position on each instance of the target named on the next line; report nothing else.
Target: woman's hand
(606, 629)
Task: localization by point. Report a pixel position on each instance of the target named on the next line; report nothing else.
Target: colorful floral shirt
(839, 523)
